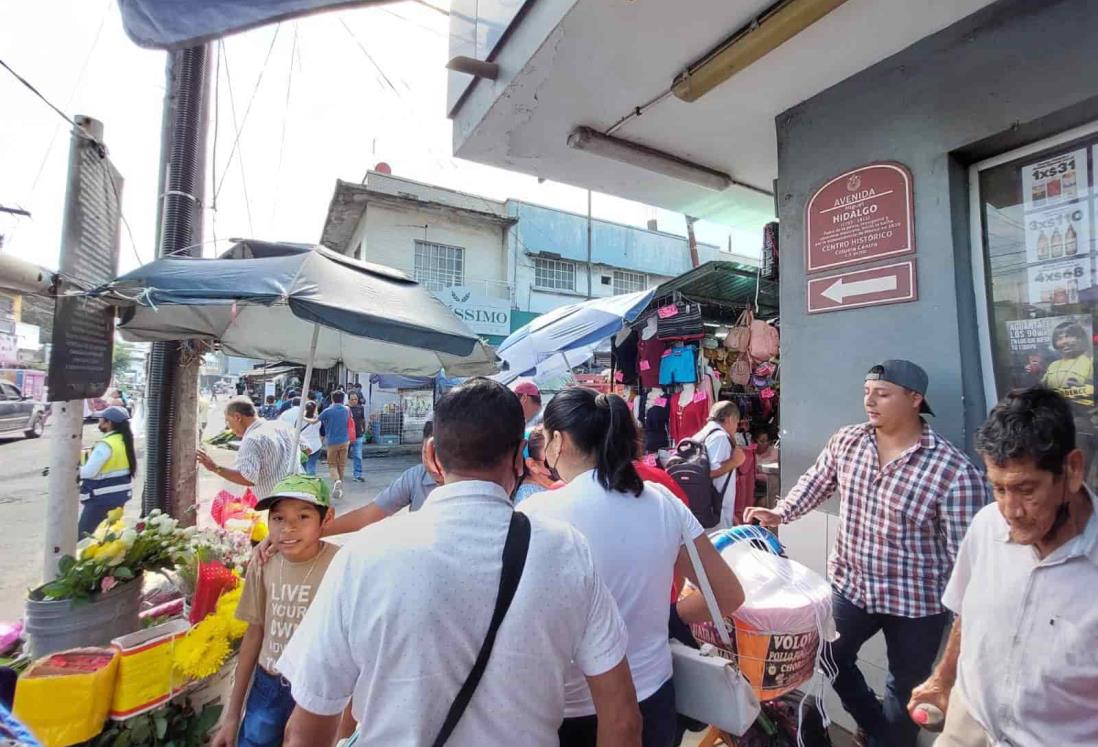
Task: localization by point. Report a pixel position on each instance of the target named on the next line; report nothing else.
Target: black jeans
(657, 712)
(912, 645)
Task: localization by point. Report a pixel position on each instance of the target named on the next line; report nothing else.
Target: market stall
(708, 335)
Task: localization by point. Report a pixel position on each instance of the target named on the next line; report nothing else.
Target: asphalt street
(23, 490)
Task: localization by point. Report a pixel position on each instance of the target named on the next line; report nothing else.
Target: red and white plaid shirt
(900, 526)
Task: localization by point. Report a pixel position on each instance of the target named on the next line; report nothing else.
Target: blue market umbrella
(566, 337)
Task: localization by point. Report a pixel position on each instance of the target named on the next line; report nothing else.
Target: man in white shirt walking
(266, 454)
(725, 456)
(1021, 664)
(405, 607)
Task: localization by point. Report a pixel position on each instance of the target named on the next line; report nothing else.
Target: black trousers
(657, 712)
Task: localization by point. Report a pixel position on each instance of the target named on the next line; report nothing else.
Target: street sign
(83, 328)
(853, 289)
(860, 216)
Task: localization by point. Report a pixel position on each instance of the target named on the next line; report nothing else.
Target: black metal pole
(179, 230)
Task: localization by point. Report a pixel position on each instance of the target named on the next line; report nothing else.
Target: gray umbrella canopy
(264, 300)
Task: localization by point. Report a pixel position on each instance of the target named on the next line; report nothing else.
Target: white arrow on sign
(840, 290)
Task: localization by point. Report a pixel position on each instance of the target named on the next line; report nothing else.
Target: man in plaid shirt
(906, 499)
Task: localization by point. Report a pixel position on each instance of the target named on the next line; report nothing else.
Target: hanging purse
(708, 687)
(739, 337)
(741, 371)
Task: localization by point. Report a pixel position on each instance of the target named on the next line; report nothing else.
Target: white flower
(168, 526)
(129, 536)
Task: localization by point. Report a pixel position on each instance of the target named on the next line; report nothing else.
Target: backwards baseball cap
(299, 487)
(527, 387)
(903, 373)
(114, 414)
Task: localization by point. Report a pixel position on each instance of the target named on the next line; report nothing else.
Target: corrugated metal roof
(726, 284)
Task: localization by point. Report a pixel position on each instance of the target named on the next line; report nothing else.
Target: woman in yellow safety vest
(106, 477)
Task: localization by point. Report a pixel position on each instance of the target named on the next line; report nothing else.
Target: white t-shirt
(719, 447)
(401, 614)
(635, 541)
(1029, 634)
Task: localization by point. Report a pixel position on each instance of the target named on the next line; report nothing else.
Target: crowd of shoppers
(573, 587)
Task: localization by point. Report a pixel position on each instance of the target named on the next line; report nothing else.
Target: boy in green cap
(274, 600)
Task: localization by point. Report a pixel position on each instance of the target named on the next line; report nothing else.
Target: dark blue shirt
(334, 419)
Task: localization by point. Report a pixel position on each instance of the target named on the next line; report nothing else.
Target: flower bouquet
(215, 545)
(119, 550)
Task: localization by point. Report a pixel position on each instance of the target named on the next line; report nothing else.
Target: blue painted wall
(541, 229)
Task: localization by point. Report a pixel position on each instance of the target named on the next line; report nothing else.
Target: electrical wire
(38, 93)
(248, 109)
(236, 146)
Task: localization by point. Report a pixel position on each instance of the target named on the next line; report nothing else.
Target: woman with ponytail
(635, 530)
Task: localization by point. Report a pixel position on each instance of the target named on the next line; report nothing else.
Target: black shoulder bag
(514, 560)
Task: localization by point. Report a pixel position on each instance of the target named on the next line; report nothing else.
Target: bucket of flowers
(96, 596)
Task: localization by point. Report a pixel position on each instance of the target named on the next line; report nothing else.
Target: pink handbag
(739, 337)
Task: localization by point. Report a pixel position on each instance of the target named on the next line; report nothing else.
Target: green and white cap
(300, 487)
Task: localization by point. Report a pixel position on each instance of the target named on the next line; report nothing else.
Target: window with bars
(554, 273)
(629, 282)
(439, 266)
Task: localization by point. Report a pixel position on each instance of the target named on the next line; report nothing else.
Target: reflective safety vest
(114, 476)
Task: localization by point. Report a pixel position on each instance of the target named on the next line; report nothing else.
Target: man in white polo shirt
(404, 609)
(1021, 664)
(725, 457)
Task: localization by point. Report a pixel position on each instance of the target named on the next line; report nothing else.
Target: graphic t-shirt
(276, 596)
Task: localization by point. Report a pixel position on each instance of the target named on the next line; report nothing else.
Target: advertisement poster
(1055, 180)
(1055, 351)
(1058, 233)
(1059, 283)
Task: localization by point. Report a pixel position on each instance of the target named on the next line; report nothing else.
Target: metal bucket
(53, 626)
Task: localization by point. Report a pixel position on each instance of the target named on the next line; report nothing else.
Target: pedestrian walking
(529, 397)
(906, 498)
(310, 437)
(725, 456)
(636, 532)
(359, 415)
(269, 411)
(266, 454)
(335, 421)
(1021, 664)
(372, 641)
(106, 477)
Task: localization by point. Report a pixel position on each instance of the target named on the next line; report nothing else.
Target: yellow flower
(113, 552)
(87, 549)
(226, 612)
(114, 515)
(259, 531)
(202, 652)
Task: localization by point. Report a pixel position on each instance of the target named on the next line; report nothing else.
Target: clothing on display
(649, 355)
(623, 359)
(679, 365)
(686, 420)
(681, 320)
(655, 425)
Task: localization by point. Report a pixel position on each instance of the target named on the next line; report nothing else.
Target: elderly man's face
(1029, 497)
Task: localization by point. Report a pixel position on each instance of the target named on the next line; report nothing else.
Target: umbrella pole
(304, 398)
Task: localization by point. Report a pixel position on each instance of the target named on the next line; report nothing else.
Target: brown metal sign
(854, 289)
(861, 215)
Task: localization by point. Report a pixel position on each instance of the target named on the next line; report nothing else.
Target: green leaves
(173, 725)
(65, 564)
(122, 573)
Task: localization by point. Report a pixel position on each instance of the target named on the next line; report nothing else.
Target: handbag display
(740, 373)
(739, 337)
(708, 687)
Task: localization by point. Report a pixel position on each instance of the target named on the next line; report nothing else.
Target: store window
(438, 266)
(1036, 234)
(629, 282)
(554, 273)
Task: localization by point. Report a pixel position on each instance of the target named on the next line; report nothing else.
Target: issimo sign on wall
(484, 315)
(860, 216)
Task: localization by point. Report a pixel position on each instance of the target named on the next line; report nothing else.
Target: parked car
(19, 413)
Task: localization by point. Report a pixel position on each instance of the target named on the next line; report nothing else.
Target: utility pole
(171, 433)
(695, 260)
(590, 269)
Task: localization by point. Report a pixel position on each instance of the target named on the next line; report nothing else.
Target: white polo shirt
(1029, 634)
(635, 541)
(401, 614)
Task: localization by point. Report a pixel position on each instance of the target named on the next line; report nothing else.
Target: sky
(296, 106)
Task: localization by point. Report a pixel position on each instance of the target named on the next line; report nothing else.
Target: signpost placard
(862, 215)
(83, 328)
(873, 286)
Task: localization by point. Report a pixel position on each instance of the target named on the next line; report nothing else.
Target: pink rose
(109, 582)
